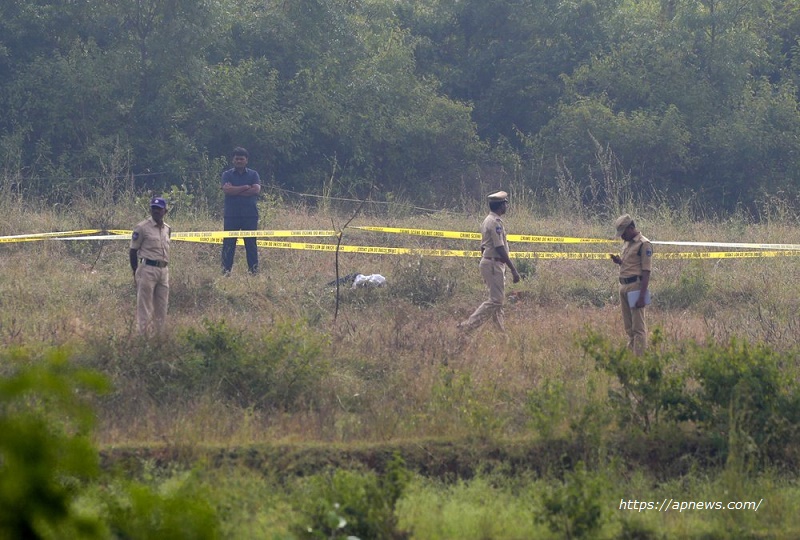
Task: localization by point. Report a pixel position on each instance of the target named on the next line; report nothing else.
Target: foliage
(283, 369)
(49, 468)
(46, 454)
(177, 510)
(418, 99)
(574, 509)
(458, 400)
(751, 392)
(546, 407)
(649, 386)
(423, 282)
(349, 504)
(741, 396)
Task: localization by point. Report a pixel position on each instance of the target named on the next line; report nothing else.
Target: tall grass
(392, 367)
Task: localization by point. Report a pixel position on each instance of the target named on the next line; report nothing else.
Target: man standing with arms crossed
(241, 187)
(150, 246)
(634, 275)
(494, 259)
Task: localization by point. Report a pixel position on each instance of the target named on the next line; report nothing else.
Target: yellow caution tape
(238, 234)
(545, 255)
(477, 236)
(762, 250)
(44, 236)
(558, 239)
(423, 232)
(778, 247)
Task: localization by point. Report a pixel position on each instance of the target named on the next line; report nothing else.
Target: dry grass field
(261, 361)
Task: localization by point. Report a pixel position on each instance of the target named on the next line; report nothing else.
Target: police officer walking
(494, 259)
(150, 247)
(634, 275)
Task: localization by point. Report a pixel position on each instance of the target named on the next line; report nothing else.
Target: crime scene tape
(216, 237)
(45, 236)
(545, 255)
(730, 245)
(477, 236)
(237, 234)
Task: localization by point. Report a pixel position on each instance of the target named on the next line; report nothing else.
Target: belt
(626, 280)
(150, 262)
(498, 259)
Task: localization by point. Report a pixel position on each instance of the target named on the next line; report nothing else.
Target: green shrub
(282, 369)
(176, 510)
(547, 407)
(456, 402)
(647, 386)
(748, 391)
(422, 282)
(347, 504)
(574, 508)
(46, 454)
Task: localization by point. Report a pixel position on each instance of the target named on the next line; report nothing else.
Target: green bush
(547, 407)
(282, 369)
(748, 391)
(574, 508)
(51, 485)
(422, 282)
(647, 386)
(347, 504)
(177, 510)
(46, 454)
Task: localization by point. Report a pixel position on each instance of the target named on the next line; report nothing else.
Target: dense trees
(414, 97)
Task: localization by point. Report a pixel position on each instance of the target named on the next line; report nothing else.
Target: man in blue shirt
(241, 187)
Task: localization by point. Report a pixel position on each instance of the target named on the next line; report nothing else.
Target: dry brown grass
(398, 370)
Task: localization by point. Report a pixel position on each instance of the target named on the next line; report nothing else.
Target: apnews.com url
(671, 505)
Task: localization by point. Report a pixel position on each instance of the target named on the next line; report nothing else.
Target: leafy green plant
(177, 510)
(46, 454)
(546, 407)
(422, 282)
(347, 504)
(647, 386)
(749, 391)
(574, 509)
(455, 400)
(281, 369)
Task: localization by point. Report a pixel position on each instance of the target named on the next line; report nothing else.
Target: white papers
(633, 297)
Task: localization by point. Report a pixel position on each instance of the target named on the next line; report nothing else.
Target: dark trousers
(239, 223)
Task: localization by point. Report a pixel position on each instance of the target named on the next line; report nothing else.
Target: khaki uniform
(152, 275)
(637, 256)
(493, 271)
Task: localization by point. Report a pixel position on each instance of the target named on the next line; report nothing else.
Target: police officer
(634, 275)
(149, 256)
(494, 259)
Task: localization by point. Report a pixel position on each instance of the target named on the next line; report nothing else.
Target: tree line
(422, 99)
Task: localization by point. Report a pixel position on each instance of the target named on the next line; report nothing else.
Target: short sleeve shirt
(493, 235)
(637, 256)
(151, 241)
(236, 205)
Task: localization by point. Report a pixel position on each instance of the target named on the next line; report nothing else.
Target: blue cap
(159, 202)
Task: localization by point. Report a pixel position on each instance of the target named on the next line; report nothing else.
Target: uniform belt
(626, 280)
(498, 259)
(150, 262)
